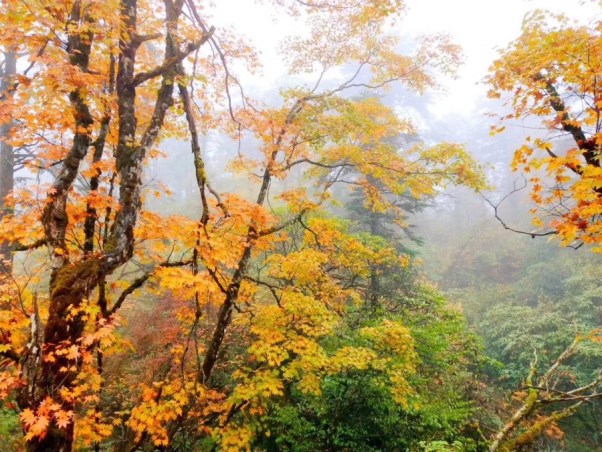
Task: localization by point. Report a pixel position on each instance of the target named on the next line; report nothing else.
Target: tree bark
(7, 154)
(374, 276)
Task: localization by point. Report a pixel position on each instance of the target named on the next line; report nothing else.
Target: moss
(111, 245)
(75, 277)
(533, 432)
(531, 398)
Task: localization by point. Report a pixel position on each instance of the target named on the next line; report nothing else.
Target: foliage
(9, 429)
(552, 72)
(519, 296)
(123, 326)
(356, 410)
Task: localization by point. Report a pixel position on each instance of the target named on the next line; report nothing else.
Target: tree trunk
(68, 287)
(7, 155)
(56, 440)
(374, 276)
(46, 372)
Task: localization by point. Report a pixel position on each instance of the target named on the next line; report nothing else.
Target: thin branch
(271, 287)
(495, 208)
(562, 358)
(320, 164)
(222, 57)
(282, 225)
(139, 282)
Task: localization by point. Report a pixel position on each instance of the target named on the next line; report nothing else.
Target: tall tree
(81, 46)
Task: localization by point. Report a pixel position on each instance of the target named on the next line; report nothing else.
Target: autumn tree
(88, 55)
(247, 314)
(552, 75)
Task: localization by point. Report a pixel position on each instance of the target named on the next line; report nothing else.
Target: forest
(283, 225)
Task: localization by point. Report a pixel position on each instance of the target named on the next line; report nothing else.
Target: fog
(458, 112)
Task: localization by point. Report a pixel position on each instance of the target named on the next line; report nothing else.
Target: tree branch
(495, 208)
(283, 225)
(10, 354)
(32, 246)
(139, 282)
(271, 287)
(170, 63)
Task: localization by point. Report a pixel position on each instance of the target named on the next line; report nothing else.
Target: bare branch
(496, 206)
(561, 359)
(543, 394)
(140, 39)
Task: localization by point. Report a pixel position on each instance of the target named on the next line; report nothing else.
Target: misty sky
(479, 26)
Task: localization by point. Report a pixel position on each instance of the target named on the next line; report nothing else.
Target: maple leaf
(27, 416)
(63, 418)
(39, 427)
(73, 353)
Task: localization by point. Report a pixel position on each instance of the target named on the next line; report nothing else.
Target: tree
(355, 408)
(98, 56)
(356, 411)
(519, 296)
(247, 318)
(386, 228)
(552, 72)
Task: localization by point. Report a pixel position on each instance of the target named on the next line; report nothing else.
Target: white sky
(478, 26)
